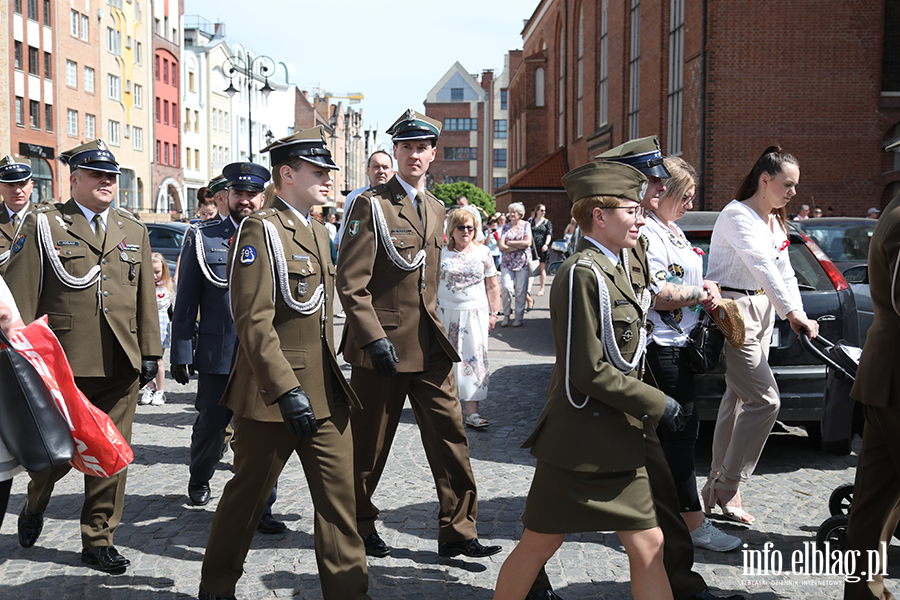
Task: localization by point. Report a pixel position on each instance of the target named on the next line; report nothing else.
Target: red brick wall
(441, 168)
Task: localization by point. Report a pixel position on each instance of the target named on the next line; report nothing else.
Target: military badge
(248, 255)
(302, 287)
(353, 228)
(627, 336)
(20, 241)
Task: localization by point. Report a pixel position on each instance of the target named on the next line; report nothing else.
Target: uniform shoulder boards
(45, 207)
(375, 190)
(205, 224)
(127, 215)
(586, 260)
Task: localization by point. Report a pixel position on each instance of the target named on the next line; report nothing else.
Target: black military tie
(98, 230)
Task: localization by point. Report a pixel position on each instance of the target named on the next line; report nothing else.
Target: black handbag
(705, 344)
(31, 423)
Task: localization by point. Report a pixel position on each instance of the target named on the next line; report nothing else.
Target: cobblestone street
(164, 537)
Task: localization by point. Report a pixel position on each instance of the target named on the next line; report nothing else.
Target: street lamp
(239, 65)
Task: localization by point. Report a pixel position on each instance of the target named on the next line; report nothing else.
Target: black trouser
(5, 487)
(669, 366)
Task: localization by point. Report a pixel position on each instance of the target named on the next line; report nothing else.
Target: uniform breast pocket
(406, 246)
(130, 267)
(304, 276)
(626, 325)
(72, 259)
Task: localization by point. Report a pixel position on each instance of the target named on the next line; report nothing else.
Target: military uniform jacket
(204, 286)
(116, 313)
(279, 348)
(606, 435)
(878, 378)
(379, 298)
(7, 237)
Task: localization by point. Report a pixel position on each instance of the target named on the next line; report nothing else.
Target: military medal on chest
(302, 287)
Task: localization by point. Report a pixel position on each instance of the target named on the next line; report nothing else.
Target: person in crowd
(817, 213)
(165, 300)
(220, 195)
(16, 184)
(876, 491)
(570, 230)
(463, 203)
(206, 205)
(542, 236)
(468, 303)
(331, 226)
(388, 281)
(749, 257)
(379, 169)
(681, 295)
(588, 441)
(803, 214)
(287, 391)
(491, 236)
(515, 243)
(873, 213)
(10, 320)
(100, 297)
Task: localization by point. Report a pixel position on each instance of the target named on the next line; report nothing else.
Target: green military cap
(93, 155)
(12, 171)
(308, 145)
(414, 126)
(605, 179)
(217, 183)
(642, 153)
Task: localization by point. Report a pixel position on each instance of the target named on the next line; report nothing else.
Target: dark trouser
(678, 551)
(5, 487)
(876, 498)
(669, 366)
(327, 457)
(208, 434)
(104, 497)
(435, 404)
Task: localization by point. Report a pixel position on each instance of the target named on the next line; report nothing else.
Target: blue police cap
(13, 172)
(414, 126)
(308, 145)
(246, 176)
(92, 155)
(642, 153)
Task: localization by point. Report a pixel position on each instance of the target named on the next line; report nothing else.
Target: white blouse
(745, 254)
(9, 466)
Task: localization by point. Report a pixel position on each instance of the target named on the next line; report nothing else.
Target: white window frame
(137, 138)
(90, 126)
(90, 79)
(72, 122)
(113, 87)
(71, 73)
(138, 95)
(113, 130)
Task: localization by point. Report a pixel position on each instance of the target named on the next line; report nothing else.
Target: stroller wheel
(840, 500)
(834, 531)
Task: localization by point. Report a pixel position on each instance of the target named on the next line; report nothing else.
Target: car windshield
(842, 242)
(165, 238)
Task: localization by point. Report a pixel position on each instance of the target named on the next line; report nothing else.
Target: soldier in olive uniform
(15, 187)
(87, 266)
(286, 389)
(394, 339)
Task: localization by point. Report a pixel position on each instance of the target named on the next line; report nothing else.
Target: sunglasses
(469, 228)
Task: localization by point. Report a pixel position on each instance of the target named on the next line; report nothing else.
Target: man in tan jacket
(393, 338)
(87, 267)
(286, 389)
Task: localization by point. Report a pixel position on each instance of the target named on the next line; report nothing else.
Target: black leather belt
(759, 292)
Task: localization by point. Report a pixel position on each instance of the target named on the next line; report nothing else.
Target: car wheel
(833, 531)
(841, 499)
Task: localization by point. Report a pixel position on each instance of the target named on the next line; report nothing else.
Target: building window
(227, 122)
(85, 28)
(138, 95)
(156, 112)
(197, 158)
(48, 117)
(187, 158)
(114, 133)
(174, 155)
(460, 153)
(33, 10)
(175, 114)
(114, 87)
(197, 121)
(34, 114)
(137, 138)
(191, 81)
(602, 89)
(73, 23)
(456, 94)
(47, 13)
(174, 74)
(33, 66)
(561, 85)
(71, 74)
(138, 53)
(676, 75)
(458, 179)
(20, 108)
(48, 66)
(18, 55)
(579, 74)
(187, 119)
(166, 112)
(90, 126)
(539, 86)
(113, 41)
(156, 68)
(634, 95)
(500, 158)
(89, 80)
(158, 150)
(165, 71)
(890, 55)
(17, 6)
(504, 99)
(499, 182)
(72, 122)
(461, 124)
(166, 153)
(500, 129)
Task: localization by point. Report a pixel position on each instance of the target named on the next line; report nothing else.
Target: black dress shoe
(204, 595)
(104, 558)
(375, 546)
(30, 526)
(471, 548)
(543, 595)
(707, 595)
(198, 491)
(270, 525)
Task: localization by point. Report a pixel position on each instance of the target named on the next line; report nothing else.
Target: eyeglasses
(469, 228)
(631, 211)
(687, 200)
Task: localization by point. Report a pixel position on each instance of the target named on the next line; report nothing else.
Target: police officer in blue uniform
(203, 285)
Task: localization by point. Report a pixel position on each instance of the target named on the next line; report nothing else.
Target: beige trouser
(751, 401)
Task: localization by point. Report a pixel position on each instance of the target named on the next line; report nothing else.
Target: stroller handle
(812, 346)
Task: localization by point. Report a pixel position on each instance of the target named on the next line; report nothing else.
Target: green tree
(449, 192)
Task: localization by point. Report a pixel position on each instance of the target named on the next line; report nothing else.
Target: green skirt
(564, 501)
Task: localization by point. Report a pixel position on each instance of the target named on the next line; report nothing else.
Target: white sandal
(476, 421)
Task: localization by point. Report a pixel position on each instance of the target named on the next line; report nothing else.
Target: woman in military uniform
(590, 473)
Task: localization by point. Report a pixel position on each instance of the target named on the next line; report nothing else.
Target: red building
(167, 173)
(717, 81)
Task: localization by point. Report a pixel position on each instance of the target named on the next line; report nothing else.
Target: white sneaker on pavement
(146, 396)
(709, 538)
(159, 398)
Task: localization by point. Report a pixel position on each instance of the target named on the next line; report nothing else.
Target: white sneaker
(159, 398)
(146, 396)
(709, 538)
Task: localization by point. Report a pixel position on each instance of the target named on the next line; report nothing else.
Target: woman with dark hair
(748, 256)
(542, 235)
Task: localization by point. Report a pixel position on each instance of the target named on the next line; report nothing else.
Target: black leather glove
(673, 417)
(384, 357)
(149, 367)
(298, 413)
(180, 373)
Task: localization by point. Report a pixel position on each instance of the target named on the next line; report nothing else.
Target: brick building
(167, 174)
(826, 87)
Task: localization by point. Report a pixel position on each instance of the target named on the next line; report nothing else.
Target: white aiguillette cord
(204, 268)
(46, 244)
(276, 249)
(381, 229)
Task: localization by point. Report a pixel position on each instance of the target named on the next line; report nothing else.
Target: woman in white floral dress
(468, 300)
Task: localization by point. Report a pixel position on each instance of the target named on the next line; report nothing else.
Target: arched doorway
(169, 197)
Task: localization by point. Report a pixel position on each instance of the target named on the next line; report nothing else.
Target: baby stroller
(842, 417)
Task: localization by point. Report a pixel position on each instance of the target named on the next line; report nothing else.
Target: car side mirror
(553, 267)
(558, 246)
(857, 274)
